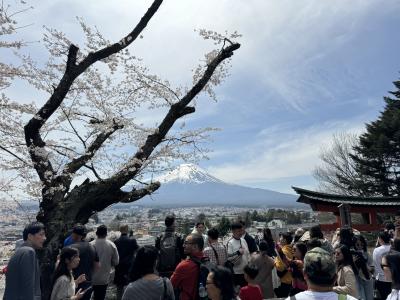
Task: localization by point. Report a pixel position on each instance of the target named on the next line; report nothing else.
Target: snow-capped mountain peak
(188, 173)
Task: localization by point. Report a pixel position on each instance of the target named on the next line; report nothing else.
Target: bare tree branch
(126, 41)
(337, 172)
(159, 83)
(73, 128)
(135, 195)
(77, 163)
(16, 156)
(176, 111)
(33, 138)
(93, 169)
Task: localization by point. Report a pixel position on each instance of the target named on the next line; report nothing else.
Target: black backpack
(205, 267)
(168, 252)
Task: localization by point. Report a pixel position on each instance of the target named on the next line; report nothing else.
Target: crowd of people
(299, 265)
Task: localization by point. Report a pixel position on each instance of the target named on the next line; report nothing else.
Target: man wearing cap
(77, 232)
(320, 275)
(108, 256)
(297, 235)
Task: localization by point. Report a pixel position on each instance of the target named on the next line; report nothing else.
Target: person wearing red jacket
(186, 275)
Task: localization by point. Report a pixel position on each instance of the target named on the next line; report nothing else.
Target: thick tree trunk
(60, 216)
(57, 221)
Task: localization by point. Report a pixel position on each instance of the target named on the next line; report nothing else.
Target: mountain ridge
(189, 185)
(188, 173)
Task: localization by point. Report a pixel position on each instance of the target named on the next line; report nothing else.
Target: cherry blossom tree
(9, 43)
(80, 151)
(8, 29)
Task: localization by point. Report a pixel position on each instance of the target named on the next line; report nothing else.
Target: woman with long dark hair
(220, 284)
(268, 238)
(346, 237)
(64, 283)
(346, 272)
(316, 233)
(391, 268)
(296, 269)
(145, 283)
(363, 262)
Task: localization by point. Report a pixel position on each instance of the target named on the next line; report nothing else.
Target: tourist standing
(215, 250)
(146, 284)
(297, 235)
(88, 263)
(252, 290)
(251, 242)
(285, 252)
(23, 272)
(346, 272)
(77, 231)
(170, 246)
(296, 268)
(363, 262)
(126, 248)
(220, 285)
(391, 268)
(269, 239)
(64, 283)
(345, 237)
(108, 257)
(316, 233)
(259, 235)
(200, 228)
(382, 285)
(320, 275)
(186, 275)
(265, 265)
(238, 254)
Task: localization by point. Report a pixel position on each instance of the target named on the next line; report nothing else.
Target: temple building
(345, 207)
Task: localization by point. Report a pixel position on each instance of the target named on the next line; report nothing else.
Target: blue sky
(306, 70)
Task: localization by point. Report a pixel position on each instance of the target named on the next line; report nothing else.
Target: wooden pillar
(372, 218)
(338, 220)
(366, 218)
(345, 216)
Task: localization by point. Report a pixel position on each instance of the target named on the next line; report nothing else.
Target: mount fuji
(189, 185)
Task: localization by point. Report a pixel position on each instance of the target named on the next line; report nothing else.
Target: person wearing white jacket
(238, 254)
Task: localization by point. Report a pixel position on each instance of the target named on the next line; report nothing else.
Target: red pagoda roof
(310, 197)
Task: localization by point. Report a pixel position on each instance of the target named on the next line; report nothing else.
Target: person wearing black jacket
(170, 245)
(251, 242)
(126, 247)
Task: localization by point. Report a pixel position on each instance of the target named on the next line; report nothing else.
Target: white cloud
(281, 153)
(286, 45)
